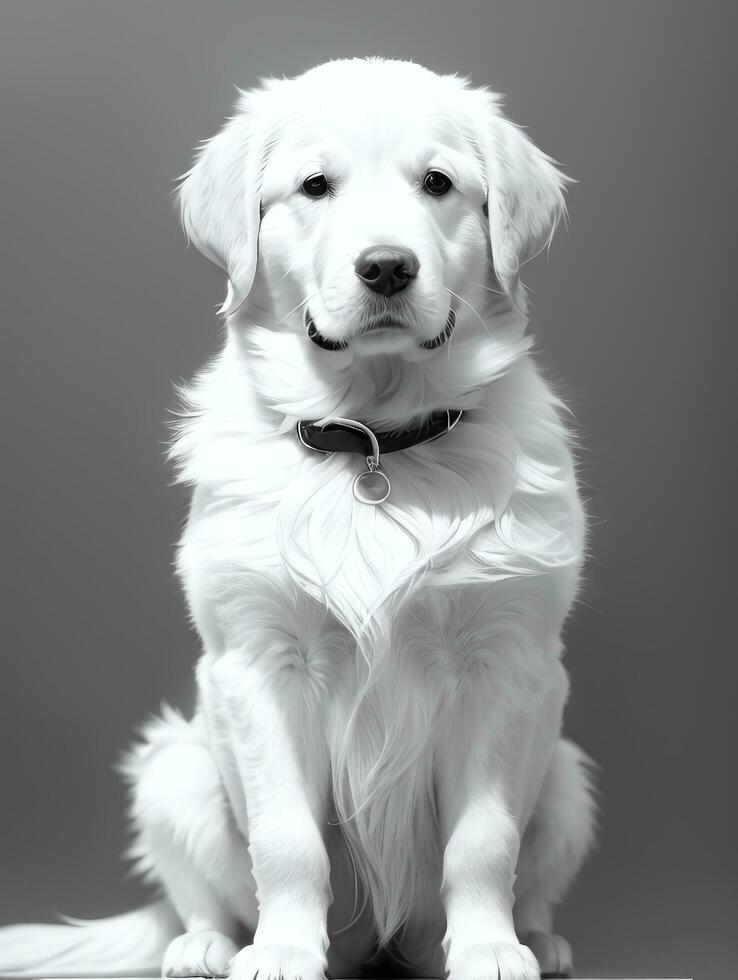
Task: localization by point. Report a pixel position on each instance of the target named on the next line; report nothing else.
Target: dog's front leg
(482, 767)
(279, 750)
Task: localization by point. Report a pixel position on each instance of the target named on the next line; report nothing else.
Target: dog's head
(371, 206)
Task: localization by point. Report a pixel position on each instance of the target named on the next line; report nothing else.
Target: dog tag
(373, 486)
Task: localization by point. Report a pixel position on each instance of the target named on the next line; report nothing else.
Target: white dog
(384, 541)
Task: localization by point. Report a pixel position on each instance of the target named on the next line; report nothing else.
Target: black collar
(335, 437)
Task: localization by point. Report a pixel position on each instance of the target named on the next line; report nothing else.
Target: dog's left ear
(219, 201)
(525, 199)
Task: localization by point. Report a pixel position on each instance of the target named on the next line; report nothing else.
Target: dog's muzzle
(334, 345)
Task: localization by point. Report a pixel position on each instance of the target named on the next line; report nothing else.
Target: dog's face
(374, 215)
(371, 207)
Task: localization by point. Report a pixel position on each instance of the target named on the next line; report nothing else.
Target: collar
(336, 435)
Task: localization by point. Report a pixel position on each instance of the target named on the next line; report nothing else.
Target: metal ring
(357, 426)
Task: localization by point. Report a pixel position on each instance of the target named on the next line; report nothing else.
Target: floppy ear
(525, 200)
(219, 201)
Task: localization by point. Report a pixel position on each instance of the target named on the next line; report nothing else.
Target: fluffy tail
(128, 945)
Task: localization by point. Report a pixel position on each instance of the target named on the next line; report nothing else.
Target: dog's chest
(298, 520)
(473, 505)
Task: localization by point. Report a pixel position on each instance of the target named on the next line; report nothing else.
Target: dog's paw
(198, 954)
(553, 954)
(494, 961)
(276, 963)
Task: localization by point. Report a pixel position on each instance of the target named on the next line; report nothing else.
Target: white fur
(381, 692)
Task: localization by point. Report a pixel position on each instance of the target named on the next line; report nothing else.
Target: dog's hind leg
(556, 842)
(186, 840)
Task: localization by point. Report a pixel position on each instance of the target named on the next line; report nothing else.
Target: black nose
(386, 268)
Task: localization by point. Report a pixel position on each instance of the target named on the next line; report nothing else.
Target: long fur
(444, 501)
(121, 946)
(377, 638)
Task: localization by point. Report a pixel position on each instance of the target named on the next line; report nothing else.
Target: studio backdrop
(103, 308)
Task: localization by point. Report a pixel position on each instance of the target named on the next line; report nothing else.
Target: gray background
(101, 105)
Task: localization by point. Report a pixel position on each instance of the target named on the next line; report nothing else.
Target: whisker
(475, 312)
(488, 289)
(295, 308)
(298, 264)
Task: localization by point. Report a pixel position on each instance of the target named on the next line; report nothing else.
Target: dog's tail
(129, 945)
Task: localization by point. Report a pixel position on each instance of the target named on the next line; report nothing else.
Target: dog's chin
(384, 338)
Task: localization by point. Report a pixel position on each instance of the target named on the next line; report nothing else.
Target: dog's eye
(316, 186)
(437, 183)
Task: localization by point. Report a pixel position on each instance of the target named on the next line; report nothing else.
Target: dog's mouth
(378, 327)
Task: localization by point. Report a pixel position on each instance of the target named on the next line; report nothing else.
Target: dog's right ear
(220, 201)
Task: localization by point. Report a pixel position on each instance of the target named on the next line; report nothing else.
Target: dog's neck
(294, 380)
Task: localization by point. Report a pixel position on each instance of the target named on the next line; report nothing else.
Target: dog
(385, 539)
